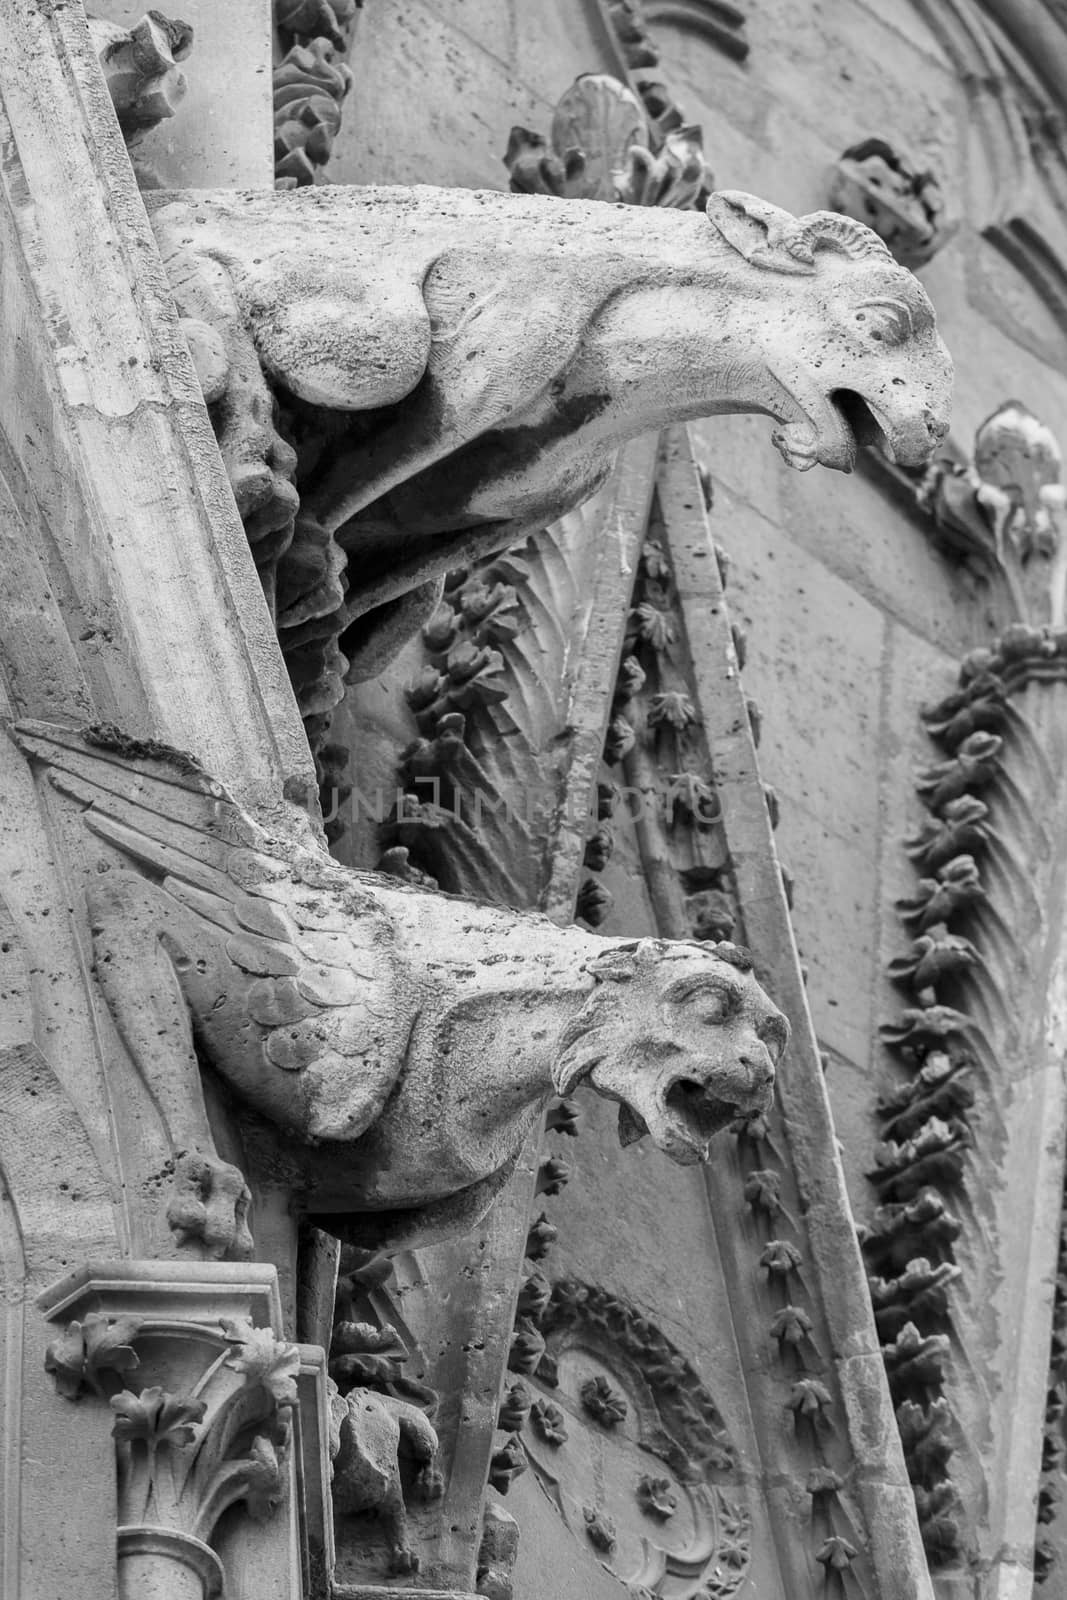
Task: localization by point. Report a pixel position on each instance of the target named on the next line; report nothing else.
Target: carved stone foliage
(877, 184)
(1002, 512)
(601, 1389)
(657, 770)
(143, 73)
(311, 82)
(302, 980)
(310, 85)
(1049, 1546)
(603, 146)
(980, 936)
(632, 1450)
(202, 1416)
(478, 788)
(389, 499)
(718, 20)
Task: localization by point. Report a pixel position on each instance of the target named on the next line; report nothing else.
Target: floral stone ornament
(202, 1422)
(629, 1446)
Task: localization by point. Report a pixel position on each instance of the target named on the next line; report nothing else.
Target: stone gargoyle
(367, 1433)
(497, 350)
(397, 1045)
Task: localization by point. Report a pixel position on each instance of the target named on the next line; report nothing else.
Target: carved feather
(277, 949)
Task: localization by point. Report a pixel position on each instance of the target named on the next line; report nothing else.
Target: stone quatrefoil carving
(397, 1045)
(403, 381)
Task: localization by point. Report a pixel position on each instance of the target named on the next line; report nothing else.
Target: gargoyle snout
(758, 1068)
(914, 440)
(936, 426)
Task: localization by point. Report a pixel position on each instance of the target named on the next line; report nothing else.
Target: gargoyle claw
(208, 1210)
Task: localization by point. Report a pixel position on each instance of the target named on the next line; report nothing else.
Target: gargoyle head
(858, 359)
(681, 1035)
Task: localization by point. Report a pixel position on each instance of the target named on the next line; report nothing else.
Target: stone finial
(1002, 512)
(603, 146)
(902, 202)
(141, 69)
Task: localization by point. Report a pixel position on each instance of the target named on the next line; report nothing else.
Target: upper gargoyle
(400, 1043)
(501, 348)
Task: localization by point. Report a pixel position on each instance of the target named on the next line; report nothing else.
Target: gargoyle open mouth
(683, 1120)
(859, 421)
(839, 423)
(699, 1108)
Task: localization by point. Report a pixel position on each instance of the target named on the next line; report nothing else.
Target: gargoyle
(368, 1432)
(397, 1045)
(500, 348)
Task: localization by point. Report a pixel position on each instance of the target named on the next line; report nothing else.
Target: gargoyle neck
(660, 370)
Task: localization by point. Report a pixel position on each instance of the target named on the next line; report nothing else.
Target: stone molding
(963, 1244)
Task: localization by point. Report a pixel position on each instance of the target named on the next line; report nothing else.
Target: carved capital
(209, 1410)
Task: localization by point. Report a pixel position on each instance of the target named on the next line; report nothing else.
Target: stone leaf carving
(141, 69)
(435, 425)
(400, 1044)
(878, 185)
(1002, 511)
(719, 21)
(310, 84)
(203, 1423)
(601, 148)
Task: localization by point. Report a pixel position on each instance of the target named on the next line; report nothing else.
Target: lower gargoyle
(396, 1045)
(368, 1434)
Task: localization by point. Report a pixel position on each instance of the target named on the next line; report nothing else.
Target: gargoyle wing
(300, 970)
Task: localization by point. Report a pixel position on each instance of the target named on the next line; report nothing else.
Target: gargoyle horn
(770, 237)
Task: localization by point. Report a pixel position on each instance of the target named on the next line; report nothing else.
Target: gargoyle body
(501, 348)
(368, 1434)
(398, 1045)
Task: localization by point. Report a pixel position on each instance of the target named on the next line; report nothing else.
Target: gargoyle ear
(762, 233)
(622, 962)
(617, 964)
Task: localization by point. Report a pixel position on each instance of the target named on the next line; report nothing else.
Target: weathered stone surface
(444, 462)
(332, 1005)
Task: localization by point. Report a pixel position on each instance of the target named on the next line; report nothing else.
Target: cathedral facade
(532, 981)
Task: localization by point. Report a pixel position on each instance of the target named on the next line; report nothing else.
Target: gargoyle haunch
(397, 1045)
(498, 350)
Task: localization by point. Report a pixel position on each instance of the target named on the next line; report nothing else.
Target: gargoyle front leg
(418, 1434)
(465, 391)
(260, 464)
(139, 945)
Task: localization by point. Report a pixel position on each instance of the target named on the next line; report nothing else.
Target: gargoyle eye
(713, 1008)
(885, 324)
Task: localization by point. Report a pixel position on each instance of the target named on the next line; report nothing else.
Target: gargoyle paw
(429, 1482)
(208, 1210)
(403, 1561)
